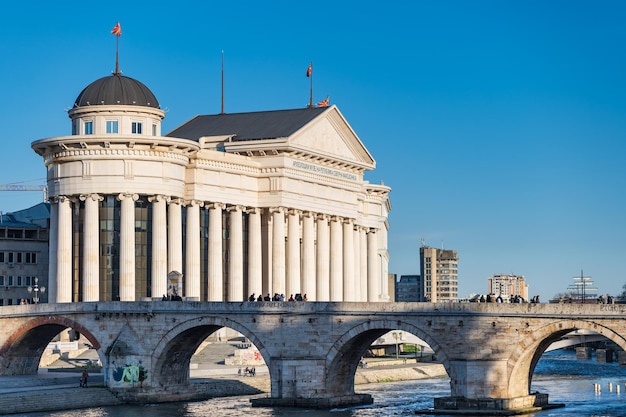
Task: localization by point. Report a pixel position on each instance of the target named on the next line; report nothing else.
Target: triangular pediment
(330, 136)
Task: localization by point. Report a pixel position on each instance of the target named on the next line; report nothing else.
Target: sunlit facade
(222, 207)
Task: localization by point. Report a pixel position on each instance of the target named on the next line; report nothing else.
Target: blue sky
(499, 125)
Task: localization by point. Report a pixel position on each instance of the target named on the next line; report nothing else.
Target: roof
(32, 217)
(116, 89)
(248, 126)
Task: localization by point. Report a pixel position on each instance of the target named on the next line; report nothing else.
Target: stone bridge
(312, 349)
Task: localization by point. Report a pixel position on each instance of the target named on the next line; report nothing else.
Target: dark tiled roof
(116, 89)
(248, 126)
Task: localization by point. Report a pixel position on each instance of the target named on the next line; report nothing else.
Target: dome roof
(116, 90)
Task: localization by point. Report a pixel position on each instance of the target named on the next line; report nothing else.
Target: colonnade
(290, 251)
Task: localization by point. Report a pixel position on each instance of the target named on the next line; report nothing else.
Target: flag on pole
(324, 103)
(117, 30)
(309, 70)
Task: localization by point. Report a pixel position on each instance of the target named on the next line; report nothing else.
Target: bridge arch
(172, 355)
(23, 349)
(344, 355)
(528, 352)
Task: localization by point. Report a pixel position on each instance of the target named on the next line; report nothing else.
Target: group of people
(276, 297)
(513, 299)
(247, 372)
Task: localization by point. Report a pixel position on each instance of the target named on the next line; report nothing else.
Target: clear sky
(499, 125)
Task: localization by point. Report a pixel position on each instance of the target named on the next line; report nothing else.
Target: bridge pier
(306, 383)
(485, 386)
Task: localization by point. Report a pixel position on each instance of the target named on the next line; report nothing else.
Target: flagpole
(117, 65)
(311, 88)
(222, 83)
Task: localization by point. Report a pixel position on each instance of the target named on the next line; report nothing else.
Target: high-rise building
(440, 277)
(506, 286)
(222, 207)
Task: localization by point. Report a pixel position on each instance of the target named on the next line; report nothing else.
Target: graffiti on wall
(130, 373)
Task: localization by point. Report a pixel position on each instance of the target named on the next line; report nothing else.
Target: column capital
(158, 198)
(253, 210)
(273, 210)
(347, 220)
(235, 207)
(295, 212)
(337, 219)
(308, 214)
(126, 196)
(323, 217)
(60, 199)
(371, 230)
(192, 203)
(215, 205)
(175, 200)
(93, 196)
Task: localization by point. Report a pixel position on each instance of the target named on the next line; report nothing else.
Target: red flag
(324, 103)
(309, 70)
(117, 30)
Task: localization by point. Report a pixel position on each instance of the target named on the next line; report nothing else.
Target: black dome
(116, 90)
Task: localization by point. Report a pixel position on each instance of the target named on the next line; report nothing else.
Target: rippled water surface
(559, 374)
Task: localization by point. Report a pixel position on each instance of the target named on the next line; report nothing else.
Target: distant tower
(439, 271)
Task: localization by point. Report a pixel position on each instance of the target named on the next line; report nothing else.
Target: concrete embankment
(32, 394)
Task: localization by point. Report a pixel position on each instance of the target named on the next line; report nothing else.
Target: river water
(558, 373)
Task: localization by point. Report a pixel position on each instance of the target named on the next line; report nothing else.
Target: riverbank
(23, 394)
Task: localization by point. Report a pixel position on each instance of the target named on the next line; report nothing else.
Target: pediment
(330, 136)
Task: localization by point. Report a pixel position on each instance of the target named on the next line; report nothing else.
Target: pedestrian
(83, 379)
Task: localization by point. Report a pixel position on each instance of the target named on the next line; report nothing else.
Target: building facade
(24, 255)
(507, 286)
(220, 208)
(409, 288)
(440, 277)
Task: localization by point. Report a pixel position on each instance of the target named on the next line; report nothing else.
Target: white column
(293, 254)
(235, 259)
(255, 263)
(127, 246)
(307, 281)
(192, 257)
(91, 253)
(373, 268)
(53, 251)
(348, 261)
(322, 264)
(357, 263)
(278, 250)
(64, 251)
(159, 246)
(215, 285)
(336, 260)
(363, 263)
(174, 236)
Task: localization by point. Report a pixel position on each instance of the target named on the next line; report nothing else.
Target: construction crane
(23, 187)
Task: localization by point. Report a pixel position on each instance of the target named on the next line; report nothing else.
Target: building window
(1, 280)
(10, 281)
(10, 257)
(1, 256)
(136, 126)
(154, 130)
(88, 128)
(19, 257)
(19, 281)
(112, 126)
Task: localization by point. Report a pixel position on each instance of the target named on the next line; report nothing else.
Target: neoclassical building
(232, 204)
